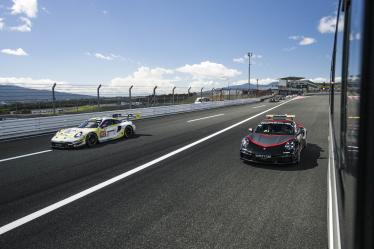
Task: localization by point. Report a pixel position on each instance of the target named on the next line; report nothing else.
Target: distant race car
(95, 130)
(276, 140)
(274, 99)
(202, 100)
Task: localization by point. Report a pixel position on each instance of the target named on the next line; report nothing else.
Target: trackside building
(296, 85)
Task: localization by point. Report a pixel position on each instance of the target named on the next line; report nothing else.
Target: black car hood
(264, 140)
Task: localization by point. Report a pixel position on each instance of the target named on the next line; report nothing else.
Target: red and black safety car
(279, 139)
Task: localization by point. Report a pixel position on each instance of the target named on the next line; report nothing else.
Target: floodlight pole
(249, 71)
(154, 95)
(130, 103)
(201, 92)
(173, 94)
(54, 99)
(98, 97)
(213, 94)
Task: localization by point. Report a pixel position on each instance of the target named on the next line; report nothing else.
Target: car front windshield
(90, 124)
(275, 129)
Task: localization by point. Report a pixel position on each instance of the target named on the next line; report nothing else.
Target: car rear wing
(290, 117)
(129, 116)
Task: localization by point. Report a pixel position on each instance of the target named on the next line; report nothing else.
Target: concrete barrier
(35, 126)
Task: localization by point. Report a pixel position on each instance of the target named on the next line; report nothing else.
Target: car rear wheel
(91, 140)
(129, 132)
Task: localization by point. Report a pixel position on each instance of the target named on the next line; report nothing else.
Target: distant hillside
(272, 85)
(10, 93)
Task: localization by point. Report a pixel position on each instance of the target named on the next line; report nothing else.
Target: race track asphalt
(202, 197)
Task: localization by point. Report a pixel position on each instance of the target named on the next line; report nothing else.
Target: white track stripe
(25, 155)
(258, 106)
(21, 221)
(193, 120)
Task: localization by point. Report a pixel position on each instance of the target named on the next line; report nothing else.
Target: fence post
(229, 93)
(98, 97)
(54, 98)
(201, 92)
(154, 95)
(173, 94)
(130, 104)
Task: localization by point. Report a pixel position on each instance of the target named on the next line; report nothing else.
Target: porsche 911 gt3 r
(276, 140)
(95, 130)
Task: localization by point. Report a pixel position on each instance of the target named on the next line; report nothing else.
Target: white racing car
(95, 130)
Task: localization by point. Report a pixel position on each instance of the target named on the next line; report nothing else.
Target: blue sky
(168, 42)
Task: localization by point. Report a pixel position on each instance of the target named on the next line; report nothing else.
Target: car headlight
(78, 135)
(290, 145)
(245, 142)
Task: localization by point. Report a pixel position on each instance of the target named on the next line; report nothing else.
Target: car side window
(115, 121)
(106, 123)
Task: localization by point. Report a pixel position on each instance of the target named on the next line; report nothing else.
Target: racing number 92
(102, 133)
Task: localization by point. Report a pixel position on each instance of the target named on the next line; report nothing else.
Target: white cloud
(262, 81)
(244, 58)
(27, 81)
(307, 41)
(302, 40)
(294, 37)
(2, 24)
(205, 74)
(27, 7)
(46, 84)
(239, 60)
(108, 57)
(103, 57)
(17, 52)
(145, 78)
(327, 24)
(25, 27)
(208, 70)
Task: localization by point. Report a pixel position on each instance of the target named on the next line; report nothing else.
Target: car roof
(100, 118)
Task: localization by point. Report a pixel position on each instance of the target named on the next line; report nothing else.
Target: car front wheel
(91, 140)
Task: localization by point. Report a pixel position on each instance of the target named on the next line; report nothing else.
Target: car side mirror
(250, 129)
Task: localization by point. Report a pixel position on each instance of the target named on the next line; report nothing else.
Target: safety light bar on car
(129, 115)
(281, 117)
(134, 115)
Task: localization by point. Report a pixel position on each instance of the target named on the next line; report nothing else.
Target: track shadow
(309, 157)
(135, 136)
(99, 145)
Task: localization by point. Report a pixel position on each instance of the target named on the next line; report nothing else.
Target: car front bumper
(288, 158)
(58, 144)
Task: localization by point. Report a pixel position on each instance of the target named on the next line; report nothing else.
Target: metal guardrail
(35, 126)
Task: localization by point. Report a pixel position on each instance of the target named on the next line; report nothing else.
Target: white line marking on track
(25, 155)
(258, 106)
(213, 116)
(21, 221)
